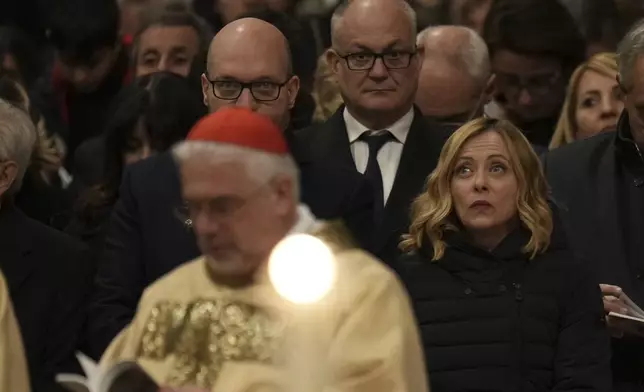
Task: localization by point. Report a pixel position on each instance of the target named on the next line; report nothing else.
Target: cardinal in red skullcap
(218, 322)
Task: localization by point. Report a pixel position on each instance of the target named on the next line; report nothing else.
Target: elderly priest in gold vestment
(13, 365)
(217, 323)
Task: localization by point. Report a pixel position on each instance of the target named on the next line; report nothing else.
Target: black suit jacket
(147, 237)
(49, 281)
(329, 144)
(585, 180)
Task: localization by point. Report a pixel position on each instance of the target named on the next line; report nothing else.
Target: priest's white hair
(17, 140)
(261, 166)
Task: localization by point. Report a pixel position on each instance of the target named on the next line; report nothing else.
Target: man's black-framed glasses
(220, 209)
(262, 91)
(536, 85)
(364, 61)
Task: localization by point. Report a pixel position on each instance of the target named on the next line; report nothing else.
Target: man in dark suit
(47, 273)
(378, 133)
(150, 234)
(599, 186)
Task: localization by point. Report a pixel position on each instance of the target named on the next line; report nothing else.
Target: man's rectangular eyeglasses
(219, 209)
(364, 61)
(262, 91)
(537, 85)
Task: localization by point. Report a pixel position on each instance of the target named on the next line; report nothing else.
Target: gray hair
(472, 56)
(629, 50)
(260, 166)
(17, 140)
(338, 14)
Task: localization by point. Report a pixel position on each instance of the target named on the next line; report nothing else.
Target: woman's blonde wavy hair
(604, 64)
(432, 213)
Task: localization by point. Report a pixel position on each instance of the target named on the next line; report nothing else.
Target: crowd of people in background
(489, 153)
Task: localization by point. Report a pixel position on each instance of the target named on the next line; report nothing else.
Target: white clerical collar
(400, 129)
(306, 223)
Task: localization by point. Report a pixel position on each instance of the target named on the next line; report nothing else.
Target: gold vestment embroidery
(201, 336)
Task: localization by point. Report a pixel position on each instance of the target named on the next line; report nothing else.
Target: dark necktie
(375, 141)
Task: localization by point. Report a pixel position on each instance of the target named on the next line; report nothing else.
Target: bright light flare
(302, 269)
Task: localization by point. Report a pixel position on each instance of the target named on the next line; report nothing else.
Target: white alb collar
(306, 223)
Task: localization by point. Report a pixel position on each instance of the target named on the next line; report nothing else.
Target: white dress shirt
(388, 156)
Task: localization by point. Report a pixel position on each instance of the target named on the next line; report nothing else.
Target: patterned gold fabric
(204, 334)
(190, 331)
(13, 365)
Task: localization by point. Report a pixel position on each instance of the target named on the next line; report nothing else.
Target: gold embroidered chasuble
(189, 331)
(13, 365)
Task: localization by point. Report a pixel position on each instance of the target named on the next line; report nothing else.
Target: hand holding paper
(624, 316)
(613, 299)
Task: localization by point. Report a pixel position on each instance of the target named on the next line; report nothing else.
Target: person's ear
(420, 49)
(8, 174)
(284, 196)
(620, 84)
(292, 88)
(205, 88)
(333, 60)
(420, 54)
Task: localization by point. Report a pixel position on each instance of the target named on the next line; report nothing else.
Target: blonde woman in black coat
(503, 305)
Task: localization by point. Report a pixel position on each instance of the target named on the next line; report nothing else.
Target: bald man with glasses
(379, 132)
(149, 234)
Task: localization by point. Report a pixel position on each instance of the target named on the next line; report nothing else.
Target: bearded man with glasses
(378, 132)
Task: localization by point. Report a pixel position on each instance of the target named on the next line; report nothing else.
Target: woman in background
(502, 304)
(151, 115)
(593, 102)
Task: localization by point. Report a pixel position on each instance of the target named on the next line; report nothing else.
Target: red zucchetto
(241, 127)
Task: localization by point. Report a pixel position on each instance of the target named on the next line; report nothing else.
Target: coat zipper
(518, 297)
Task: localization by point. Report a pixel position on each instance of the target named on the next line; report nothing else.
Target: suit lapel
(609, 235)
(419, 158)
(333, 141)
(16, 249)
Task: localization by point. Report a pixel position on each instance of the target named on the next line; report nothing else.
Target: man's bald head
(252, 34)
(249, 65)
(454, 74)
(460, 46)
(390, 9)
(374, 59)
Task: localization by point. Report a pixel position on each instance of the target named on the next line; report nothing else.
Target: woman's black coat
(497, 321)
